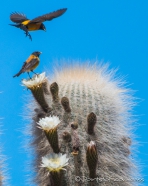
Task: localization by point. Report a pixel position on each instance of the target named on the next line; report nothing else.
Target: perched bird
(30, 64)
(27, 25)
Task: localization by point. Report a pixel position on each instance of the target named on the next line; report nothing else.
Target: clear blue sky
(109, 30)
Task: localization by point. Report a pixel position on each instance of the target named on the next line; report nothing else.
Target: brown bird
(30, 64)
(27, 25)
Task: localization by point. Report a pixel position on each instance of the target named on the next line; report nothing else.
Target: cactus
(1, 173)
(93, 129)
(4, 177)
(3, 166)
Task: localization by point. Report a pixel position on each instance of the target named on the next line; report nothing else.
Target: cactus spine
(95, 125)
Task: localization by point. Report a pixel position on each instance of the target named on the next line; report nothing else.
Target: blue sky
(109, 30)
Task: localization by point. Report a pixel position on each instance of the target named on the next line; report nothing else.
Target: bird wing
(28, 66)
(49, 16)
(18, 17)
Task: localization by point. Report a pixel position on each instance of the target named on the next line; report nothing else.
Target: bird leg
(22, 27)
(29, 75)
(27, 34)
(34, 72)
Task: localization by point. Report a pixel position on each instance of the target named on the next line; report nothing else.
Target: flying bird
(30, 64)
(27, 25)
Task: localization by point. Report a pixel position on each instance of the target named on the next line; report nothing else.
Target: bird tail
(16, 75)
(18, 25)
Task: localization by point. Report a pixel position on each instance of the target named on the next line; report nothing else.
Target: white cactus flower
(48, 123)
(35, 81)
(55, 162)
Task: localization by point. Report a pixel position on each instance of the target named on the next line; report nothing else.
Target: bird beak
(45, 29)
(40, 52)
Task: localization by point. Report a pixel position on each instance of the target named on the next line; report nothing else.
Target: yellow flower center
(55, 160)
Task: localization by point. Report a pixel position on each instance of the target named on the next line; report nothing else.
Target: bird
(30, 64)
(27, 25)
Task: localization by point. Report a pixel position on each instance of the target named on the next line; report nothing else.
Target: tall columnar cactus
(3, 168)
(81, 128)
(1, 173)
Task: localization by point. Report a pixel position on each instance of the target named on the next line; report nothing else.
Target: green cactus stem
(56, 177)
(49, 126)
(54, 89)
(52, 137)
(65, 104)
(91, 121)
(66, 136)
(75, 142)
(92, 159)
(37, 87)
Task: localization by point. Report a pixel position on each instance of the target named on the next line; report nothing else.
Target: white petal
(54, 161)
(48, 123)
(35, 81)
